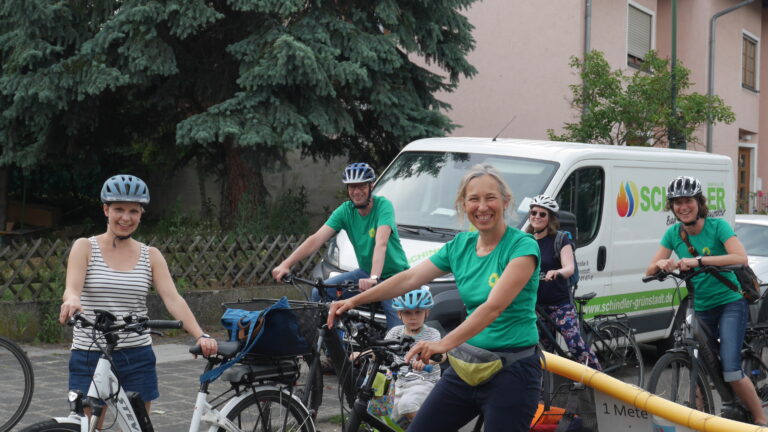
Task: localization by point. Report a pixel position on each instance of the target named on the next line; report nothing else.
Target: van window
(582, 195)
(422, 185)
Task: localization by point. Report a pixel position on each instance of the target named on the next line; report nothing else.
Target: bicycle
(376, 355)
(333, 344)
(18, 378)
(684, 373)
(260, 397)
(610, 336)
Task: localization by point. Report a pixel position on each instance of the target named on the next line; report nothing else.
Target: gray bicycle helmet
(358, 172)
(683, 187)
(545, 201)
(419, 298)
(125, 188)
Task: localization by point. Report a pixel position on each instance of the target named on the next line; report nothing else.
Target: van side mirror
(568, 223)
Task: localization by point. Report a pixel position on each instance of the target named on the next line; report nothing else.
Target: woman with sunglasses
(701, 240)
(554, 295)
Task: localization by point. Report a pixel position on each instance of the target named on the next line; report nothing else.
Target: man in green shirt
(369, 222)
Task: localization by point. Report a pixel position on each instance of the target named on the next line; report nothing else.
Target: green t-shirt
(476, 276)
(362, 233)
(709, 292)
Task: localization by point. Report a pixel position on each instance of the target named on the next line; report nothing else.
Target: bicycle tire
(670, 379)
(255, 413)
(315, 399)
(617, 351)
(15, 367)
(52, 426)
(754, 365)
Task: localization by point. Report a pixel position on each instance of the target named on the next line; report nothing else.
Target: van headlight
(332, 254)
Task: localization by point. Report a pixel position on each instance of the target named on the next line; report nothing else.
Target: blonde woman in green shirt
(496, 270)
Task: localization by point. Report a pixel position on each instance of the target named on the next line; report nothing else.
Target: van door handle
(601, 258)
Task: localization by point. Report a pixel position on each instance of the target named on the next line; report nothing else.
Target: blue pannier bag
(273, 331)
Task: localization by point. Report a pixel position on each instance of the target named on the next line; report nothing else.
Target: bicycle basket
(287, 332)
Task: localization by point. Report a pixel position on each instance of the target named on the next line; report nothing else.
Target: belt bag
(476, 366)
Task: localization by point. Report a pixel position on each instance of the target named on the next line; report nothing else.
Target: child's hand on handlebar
(338, 308)
(424, 350)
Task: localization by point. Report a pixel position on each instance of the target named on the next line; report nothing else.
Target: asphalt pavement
(178, 374)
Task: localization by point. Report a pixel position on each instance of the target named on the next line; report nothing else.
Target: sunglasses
(541, 214)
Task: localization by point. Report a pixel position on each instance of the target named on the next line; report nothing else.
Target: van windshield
(422, 186)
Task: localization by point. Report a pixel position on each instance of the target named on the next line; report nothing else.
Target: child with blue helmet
(413, 387)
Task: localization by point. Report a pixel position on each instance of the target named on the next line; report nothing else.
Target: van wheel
(666, 344)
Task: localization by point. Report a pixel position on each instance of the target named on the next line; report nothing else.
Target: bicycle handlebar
(105, 322)
(318, 283)
(686, 275)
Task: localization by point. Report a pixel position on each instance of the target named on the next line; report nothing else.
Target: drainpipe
(673, 133)
(587, 37)
(711, 66)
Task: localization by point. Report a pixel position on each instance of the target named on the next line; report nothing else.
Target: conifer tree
(231, 84)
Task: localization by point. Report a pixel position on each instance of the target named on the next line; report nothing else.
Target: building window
(639, 33)
(749, 63)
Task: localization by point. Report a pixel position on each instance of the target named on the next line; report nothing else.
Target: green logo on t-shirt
(372, 232)
(493, 279)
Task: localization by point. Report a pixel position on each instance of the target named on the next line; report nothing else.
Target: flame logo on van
(626, 200)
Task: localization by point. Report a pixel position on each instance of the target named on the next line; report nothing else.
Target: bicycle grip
(164, 324)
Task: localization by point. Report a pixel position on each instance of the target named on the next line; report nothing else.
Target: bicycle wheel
(617, 351)
(17, 382)
(271, 410)
(51, 426)
(671, 379)
(315, 398)
(753, 365)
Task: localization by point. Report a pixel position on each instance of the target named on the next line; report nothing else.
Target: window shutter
(639, 33)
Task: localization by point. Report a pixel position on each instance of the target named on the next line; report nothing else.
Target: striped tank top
(119, 292)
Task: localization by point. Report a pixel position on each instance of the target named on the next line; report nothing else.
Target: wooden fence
(36, 269)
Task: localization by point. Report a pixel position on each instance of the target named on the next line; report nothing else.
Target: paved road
(179, 380)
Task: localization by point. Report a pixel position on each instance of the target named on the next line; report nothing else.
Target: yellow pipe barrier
(642, 399)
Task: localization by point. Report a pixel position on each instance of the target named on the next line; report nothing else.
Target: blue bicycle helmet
(419, 298)
(358, 172)
(125, 188)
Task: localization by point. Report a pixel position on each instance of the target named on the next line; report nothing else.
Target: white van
(617, 195)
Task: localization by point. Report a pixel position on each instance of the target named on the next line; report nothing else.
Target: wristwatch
(698, 258)
(374, 277)
(204, 335)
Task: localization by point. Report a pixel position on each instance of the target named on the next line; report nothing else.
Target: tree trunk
(3, 197)
(205, 209)
(244, 184)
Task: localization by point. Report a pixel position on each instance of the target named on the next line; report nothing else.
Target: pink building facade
(523, 50)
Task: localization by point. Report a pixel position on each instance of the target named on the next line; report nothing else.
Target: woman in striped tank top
(114, 272)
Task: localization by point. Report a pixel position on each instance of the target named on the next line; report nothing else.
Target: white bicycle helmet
(419, 298)
(545, 201)
(358, 172)
(125, 188)
(684, 187)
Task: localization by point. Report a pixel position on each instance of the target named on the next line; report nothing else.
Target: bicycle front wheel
(270, 410)
(618, 353)
(17, 381)
(671, 379)
(754, 366)
(51, 426)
